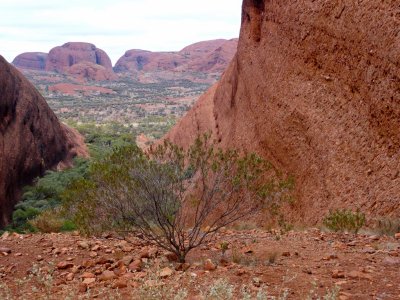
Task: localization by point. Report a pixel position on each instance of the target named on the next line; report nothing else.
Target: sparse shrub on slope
(344, 220)
(176, 198)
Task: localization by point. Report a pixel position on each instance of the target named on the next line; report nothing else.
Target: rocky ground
(256, 265)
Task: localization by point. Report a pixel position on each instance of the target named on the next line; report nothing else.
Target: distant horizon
(114, 28)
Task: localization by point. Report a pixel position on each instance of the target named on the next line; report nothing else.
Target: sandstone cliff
(32, 139)
(31, 61)
(213, 55)
(315, 88)
(82, 59)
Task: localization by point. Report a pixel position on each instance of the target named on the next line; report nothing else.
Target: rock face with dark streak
(206, 56)
(32, 139)
(315, 88)
(93, 63)
(31, 61)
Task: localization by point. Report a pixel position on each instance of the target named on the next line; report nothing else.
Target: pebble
(209, 265)
(166, 272)
(107, 275)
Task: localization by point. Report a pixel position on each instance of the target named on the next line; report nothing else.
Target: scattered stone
(5, 235)
(352, 244)
(5, 250)
(397, 236)
(307, 271)
(89, 281)
(121, 284)
(286, 254)
(248, 250)
(182, 267)
(369, 250)
(257, 282)
(103, 261)
(166, 272)
(330, 257)
(127, 260)
(95, 248)
(144, 254)
(391, 261)
(88, 263)
(358, 275)
(18, 254)
(93, 254)
(171, 256)
(70, 276)
(374, 238)
(209, 265)
(136, 265)
(240, 272)
(83, 245)
(64, 265)
(337, 274)
(87, 275)
(107, 275)
(82, 287)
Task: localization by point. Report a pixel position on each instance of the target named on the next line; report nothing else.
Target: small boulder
(136, 265)
(83, 245)
(88, 281)
(209, 265)
(166, 272)
(5, 250)
(397, 236)
(64, 265)
(107, 275)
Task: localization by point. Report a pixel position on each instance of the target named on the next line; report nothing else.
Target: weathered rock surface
(314, 88)
(204, 56)
(31, 61)
(82, 59)
(32, 139)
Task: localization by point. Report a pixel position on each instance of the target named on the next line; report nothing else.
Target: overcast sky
(114, 25)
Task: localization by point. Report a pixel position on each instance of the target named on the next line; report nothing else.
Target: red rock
(136, 265)
(182, 267)
(397, 236)
(80, 59)
(359, 275)
(31, 61)
(88, 281)
(206, 56)
(5, 250)
(209, 265)
(171, 256)
(82, 288)
(166, 272)
(121, 284)
(283, 97)
(107, 275)
(32, 139)
(87, 275)
(64, 265)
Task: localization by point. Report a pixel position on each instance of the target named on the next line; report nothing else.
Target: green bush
(344, 220)
(168, 190)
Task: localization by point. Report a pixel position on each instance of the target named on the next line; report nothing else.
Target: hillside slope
(32, 139)
(315, 88)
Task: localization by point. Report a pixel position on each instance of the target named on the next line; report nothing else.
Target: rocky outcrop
(204, 56)
(31, 61)
(314, 88)
(32, 139)
(82, 59)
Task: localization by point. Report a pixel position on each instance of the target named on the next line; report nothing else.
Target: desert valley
(260, 167)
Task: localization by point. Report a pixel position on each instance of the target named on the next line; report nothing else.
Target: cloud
(115, 26)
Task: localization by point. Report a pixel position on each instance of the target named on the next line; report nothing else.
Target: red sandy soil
(73, 89)
(308, 262)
